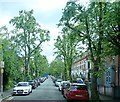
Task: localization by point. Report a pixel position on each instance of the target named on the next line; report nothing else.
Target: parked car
(42, 79)
(77, 91)
(57, 82)
(22, 88)
(38, 81)
(54, 79)
(63, 84)
(80, 80)
(32, 83)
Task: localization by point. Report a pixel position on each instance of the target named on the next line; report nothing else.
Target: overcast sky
(46, 12)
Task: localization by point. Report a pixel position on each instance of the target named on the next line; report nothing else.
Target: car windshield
(78, 87)
(22, 84)
(59, 80)
(30, 81)
(66, 84)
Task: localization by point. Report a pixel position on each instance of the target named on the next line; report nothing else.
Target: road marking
(10, 98)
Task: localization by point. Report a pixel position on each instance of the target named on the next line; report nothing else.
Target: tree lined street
(46, 91)
(88, 33)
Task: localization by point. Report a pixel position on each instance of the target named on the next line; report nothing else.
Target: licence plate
(19, 91)
(79, 95)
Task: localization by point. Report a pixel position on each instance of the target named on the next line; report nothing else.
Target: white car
(22, 88)
(58, 82)
(62, 84)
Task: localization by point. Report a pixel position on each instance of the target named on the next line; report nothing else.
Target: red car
(77, 91)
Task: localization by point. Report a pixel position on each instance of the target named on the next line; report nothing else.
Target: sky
(46, 12)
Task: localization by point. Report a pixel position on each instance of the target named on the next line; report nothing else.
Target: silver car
(58, 82)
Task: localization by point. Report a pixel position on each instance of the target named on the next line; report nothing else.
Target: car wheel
(69, 100)
(64, 95)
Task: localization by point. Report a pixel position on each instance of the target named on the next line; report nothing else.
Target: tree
(12, 62)
(112, 27)
(56, 68)
(66, 49)
(12, 70)
(39, 65)
(29, 36)
(88, 24)
(43, 65)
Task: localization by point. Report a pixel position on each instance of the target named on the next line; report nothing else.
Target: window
(108, 77)
(88, 65)
(79, 87)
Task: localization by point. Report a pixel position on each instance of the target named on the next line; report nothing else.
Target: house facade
(81, 68)
(109, 82)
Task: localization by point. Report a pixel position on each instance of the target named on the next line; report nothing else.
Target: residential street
(46, 92)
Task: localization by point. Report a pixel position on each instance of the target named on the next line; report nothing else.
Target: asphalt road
(46, 91)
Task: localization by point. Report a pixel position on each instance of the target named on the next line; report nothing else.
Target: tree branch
(76, 30)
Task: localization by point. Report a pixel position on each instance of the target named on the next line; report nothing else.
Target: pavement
(8, 93)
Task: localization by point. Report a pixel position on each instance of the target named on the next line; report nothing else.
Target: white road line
(10, 98)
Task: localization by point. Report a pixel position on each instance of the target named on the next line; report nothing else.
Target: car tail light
(86, 93)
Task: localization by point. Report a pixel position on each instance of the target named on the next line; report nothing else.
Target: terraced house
(82, 67)
(109, 82)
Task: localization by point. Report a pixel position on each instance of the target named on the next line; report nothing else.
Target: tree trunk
(65, 73)
(70, 74)
(94, 91)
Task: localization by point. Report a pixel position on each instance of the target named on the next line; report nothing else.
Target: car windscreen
(59, 80)
(78, 87)
(31, 82)
(66, 84)
(22, 84)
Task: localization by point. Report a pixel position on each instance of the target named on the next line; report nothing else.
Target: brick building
(81, 68)
(109, 82)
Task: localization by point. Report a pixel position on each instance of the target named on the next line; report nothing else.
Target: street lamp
(1, 79)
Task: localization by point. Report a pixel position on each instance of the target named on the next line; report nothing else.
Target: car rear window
(78, 87)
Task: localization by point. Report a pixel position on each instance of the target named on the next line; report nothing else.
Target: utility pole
(1, 79)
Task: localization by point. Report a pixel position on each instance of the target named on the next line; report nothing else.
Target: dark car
(42, 79)
(32, 83)
(53, 79)
(38, 81)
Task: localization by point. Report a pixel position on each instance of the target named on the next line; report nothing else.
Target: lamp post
(1, 79)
